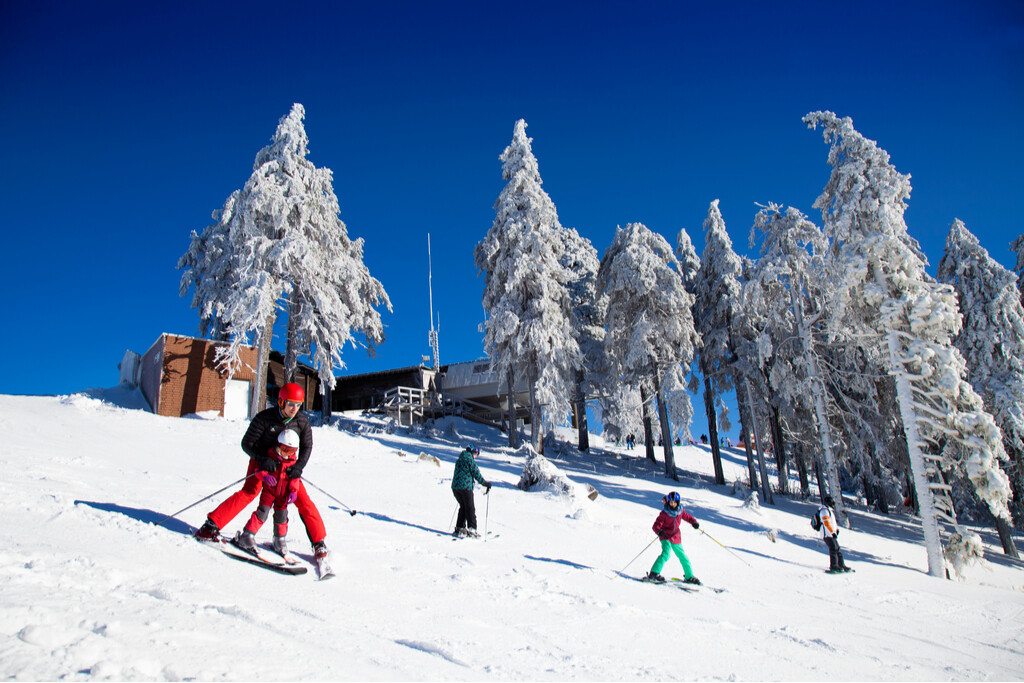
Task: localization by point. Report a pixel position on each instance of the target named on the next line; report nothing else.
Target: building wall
(189, 379)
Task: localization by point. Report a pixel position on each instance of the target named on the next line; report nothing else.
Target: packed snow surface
(92, 589)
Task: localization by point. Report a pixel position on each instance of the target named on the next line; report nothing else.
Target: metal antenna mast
(430, 288)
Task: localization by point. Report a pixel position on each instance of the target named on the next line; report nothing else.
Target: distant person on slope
(259, 439)
(830, 534)
(462, 488)
(666, 526)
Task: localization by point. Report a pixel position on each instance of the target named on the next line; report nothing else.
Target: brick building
(178, 375)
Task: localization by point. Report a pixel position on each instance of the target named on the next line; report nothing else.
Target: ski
(228, 547)
(288, 557)
(323, 568)
(696, 588)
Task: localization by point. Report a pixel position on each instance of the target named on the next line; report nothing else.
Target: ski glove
(267, 464)
(696, 525)
(293, 491)
(267, 478)
(488, 487)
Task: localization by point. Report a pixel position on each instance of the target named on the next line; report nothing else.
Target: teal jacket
(465, 472)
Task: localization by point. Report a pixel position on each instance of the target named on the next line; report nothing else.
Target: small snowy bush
(962, 551)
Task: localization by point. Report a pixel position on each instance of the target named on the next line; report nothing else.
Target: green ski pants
(667, 548)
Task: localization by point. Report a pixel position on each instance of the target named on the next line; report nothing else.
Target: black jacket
(262, 434)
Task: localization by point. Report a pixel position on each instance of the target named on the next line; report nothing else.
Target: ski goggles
(287, 451)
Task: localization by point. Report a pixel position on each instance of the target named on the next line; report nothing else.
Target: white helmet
(289, 439)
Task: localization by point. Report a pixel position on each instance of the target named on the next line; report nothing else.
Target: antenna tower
(430, 288)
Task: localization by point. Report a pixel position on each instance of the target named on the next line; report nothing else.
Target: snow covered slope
(91, 589)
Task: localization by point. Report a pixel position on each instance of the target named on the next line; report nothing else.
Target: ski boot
(320, 550)
(472, 533)
(280, 546)
(246, 540)
(460, 532)
(207, 532)
(654, 577)
(694, 580)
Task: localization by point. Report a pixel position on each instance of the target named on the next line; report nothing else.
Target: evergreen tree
(580, 259)
(885, 297)
(649, 325)
(788, 289)
(280, 236)
(525, 293)
(717, 292)
(991, 341)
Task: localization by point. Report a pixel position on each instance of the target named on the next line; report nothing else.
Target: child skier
(666, 526)
(279, 491)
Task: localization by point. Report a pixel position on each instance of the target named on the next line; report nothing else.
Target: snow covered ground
(91, 589)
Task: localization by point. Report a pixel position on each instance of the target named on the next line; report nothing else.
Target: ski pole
(453, 517)
(487, 510)
(234, 483)
(729, 551)
(639, 554)
(350, 510)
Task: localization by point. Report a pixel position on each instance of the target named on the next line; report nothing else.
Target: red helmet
(291, 392)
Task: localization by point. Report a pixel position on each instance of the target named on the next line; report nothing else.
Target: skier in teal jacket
(462, 488)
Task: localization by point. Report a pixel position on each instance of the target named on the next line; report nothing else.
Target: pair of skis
(681, 584)
(267, 558)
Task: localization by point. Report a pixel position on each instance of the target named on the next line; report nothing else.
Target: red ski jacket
(667, 525)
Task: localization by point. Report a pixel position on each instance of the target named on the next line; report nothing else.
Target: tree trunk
(259, 388)
(291, 353)
(766, 490)
(513, 420)
(817, 387)
(666, 431)
(746, 431)
(645, 412)
(780, 450)
(801, 468)
(925, 498)
(709, 409)
(821, 479)
(536, 419)
(1006, 537)
(582, 429)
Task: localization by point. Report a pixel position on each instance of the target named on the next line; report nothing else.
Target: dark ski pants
(467, 508)
(835, 555)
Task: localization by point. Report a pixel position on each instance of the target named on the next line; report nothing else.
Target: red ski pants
(240, 499)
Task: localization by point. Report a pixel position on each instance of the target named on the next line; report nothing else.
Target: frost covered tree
(717, 290)
(210, 271)
(650, 339)
(525, 290)
(580, 259)
(991, 341)
(1017, 247)
(280, 243)
(885, 297)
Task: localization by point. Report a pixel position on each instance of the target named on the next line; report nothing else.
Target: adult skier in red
(260, 438)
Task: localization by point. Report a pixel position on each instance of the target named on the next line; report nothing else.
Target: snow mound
(540, 474)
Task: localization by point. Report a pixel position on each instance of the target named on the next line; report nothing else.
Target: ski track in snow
(90, 589)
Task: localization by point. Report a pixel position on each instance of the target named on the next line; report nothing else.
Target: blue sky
(127, 123)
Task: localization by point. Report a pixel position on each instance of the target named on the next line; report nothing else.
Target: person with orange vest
(259, 440)
(830, 534)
